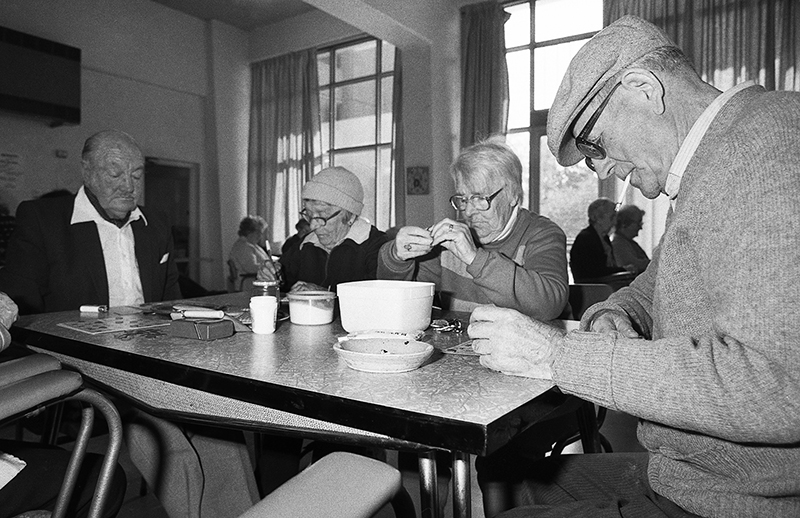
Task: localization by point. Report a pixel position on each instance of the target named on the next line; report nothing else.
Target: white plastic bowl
(383, 354)
(311, 308)
(381, 305)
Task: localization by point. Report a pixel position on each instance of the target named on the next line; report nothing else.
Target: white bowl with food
(383, 354)
(384, 305)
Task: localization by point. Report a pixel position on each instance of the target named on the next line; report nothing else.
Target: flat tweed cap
(610, 51)
(337, 186)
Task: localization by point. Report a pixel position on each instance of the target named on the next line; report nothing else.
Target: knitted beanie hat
(337, 186)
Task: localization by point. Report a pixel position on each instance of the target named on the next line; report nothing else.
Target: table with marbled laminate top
(293, 382)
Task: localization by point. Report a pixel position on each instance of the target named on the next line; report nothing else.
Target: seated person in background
(626, 250)
(705, 347)
(342, 246)
(501, 253)
(99, 247)
(293, 243)
(37, 485)
(249, 252)
(591, 255)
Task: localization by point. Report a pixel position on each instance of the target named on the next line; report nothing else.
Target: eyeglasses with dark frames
(319, 220)
(592, 150)
(476, 200)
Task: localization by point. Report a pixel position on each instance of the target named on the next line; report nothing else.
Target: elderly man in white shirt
(99, 247)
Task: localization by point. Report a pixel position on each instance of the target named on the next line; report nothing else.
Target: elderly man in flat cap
(704, 346)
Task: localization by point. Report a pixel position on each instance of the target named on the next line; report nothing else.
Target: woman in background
(249, 253)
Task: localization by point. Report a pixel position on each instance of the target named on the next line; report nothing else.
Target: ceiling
(244, 14)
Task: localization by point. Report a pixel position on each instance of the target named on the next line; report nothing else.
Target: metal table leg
(462, 500)
(428, 486)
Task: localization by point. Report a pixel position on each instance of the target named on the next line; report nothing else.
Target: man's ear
(648, 84)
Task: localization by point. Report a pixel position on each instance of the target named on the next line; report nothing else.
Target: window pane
(518, 25)
(559, 18)
(384, 201)
(356, 61)
(519, 88)
(362, 164)
(325, 118)
(324, 68)
(354, 115)
(549, 65)
(387, 87)
(387, 57)
(520, 143)
(566, 192)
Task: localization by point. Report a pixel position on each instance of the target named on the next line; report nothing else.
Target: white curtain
(285, 141)
(484, 76)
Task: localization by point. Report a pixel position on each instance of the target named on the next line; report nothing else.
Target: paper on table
(9, 467)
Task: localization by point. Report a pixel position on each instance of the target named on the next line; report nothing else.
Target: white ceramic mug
(264, 313)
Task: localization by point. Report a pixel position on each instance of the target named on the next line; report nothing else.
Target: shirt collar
(83, 211)
(693, 138)
(509, 225)
(358, 233)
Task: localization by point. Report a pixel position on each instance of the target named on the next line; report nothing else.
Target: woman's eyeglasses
(319, 220)
(592, 150)
(479, 202)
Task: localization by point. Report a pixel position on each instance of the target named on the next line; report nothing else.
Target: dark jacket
(349, 261)
(54, 266)
(587, 257)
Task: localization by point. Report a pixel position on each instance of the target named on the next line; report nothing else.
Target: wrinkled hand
(513, 343)
(8, 310)
(611, 321)
(306, 286)
(412, 242)
(269, 271)
(456, 237)
(8, 314)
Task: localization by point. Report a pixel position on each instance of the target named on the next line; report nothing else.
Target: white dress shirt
(119, 252)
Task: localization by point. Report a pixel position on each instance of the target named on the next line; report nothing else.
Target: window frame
(537, 121)
(379, 148)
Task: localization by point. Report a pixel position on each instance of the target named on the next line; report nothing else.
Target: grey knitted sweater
(716, 381)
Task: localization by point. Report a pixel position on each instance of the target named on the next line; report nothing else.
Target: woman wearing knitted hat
(342, 246)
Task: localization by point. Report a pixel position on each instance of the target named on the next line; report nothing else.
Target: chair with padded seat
(239, 281)
(338, 485)
(33, 382)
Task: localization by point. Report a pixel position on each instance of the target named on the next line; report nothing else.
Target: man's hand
(513, 343)
(611, 320)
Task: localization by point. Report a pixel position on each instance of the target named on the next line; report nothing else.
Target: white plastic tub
(381, 305)
(311, 308)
